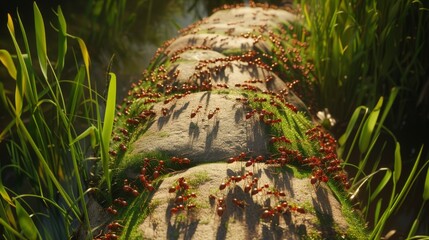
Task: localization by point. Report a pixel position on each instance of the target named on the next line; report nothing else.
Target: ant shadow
(324, 212)
(179, 111)
(186, 225)
(163, 120)
(194, 131)
(281, 179)
(211, 136)
(246, 213)
(274, 231)
(238, 116)
(221, 76)
(206, 95)
(256, 137)
(245, 47)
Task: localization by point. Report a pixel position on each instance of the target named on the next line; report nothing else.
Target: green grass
(368, 129)
(44, 138)
(360, 51)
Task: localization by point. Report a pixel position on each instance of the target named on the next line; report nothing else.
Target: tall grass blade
(416, 222)
(10, 24)
(88, 132)
(397, 164)
(85, 54)
(368, 128)
(76, 92)
(20, 85)
(5, 210)
(381, 185)
(4, 194)
(109, 116)
(378, 210)
(350, 126)
(40, 40)
(10, 229)
(361, 182)
(392, 96)
(426, 187)
(25, 222)
(47, 169)
(62, 41)
(7, 61)
(398, 200)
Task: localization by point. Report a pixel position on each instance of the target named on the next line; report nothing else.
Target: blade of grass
(350, 126)
(47, 169)
(361, 182)
(367, 131)
(26, 224)
(76, 92)
(22, 75)
(426, 187)
(62, 41)
(7, 61)
(10, 229)
(397, 164)
(40, 40)
(378, 210)
(106, 133)
(5, 210)
(378, 229)
(381, 185)
(88, 132)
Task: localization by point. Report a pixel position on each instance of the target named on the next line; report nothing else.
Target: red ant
(164, 111)
(211, 114)
(180, 160)
(222, 85)
(279, 139)
(123, 147)
(121, 202)
(220, 205)
(259, 99)
(124, 131)
(190, 206)
(133, 121)
(112, 210)
(242, 100)
(239, 203)
(272, 121)
(110, 236)
(195, 111)
(114, 226)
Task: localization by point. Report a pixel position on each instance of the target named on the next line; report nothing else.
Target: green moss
(198, 179)
(297, 172)
(163, 134)
(357, 228)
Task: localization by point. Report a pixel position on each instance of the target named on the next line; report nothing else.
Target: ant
(164, 111)
(195, 111)
(120, 202)
(211, 114)
(180, 160)
(112, 210)
(279, 139)
(239, 203)
(114, 226)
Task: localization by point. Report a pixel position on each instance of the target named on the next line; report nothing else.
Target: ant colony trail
(214, 141)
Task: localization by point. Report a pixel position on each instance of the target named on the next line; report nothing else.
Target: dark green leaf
(26, 224)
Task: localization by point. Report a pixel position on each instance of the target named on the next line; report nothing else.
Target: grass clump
(44, 138)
